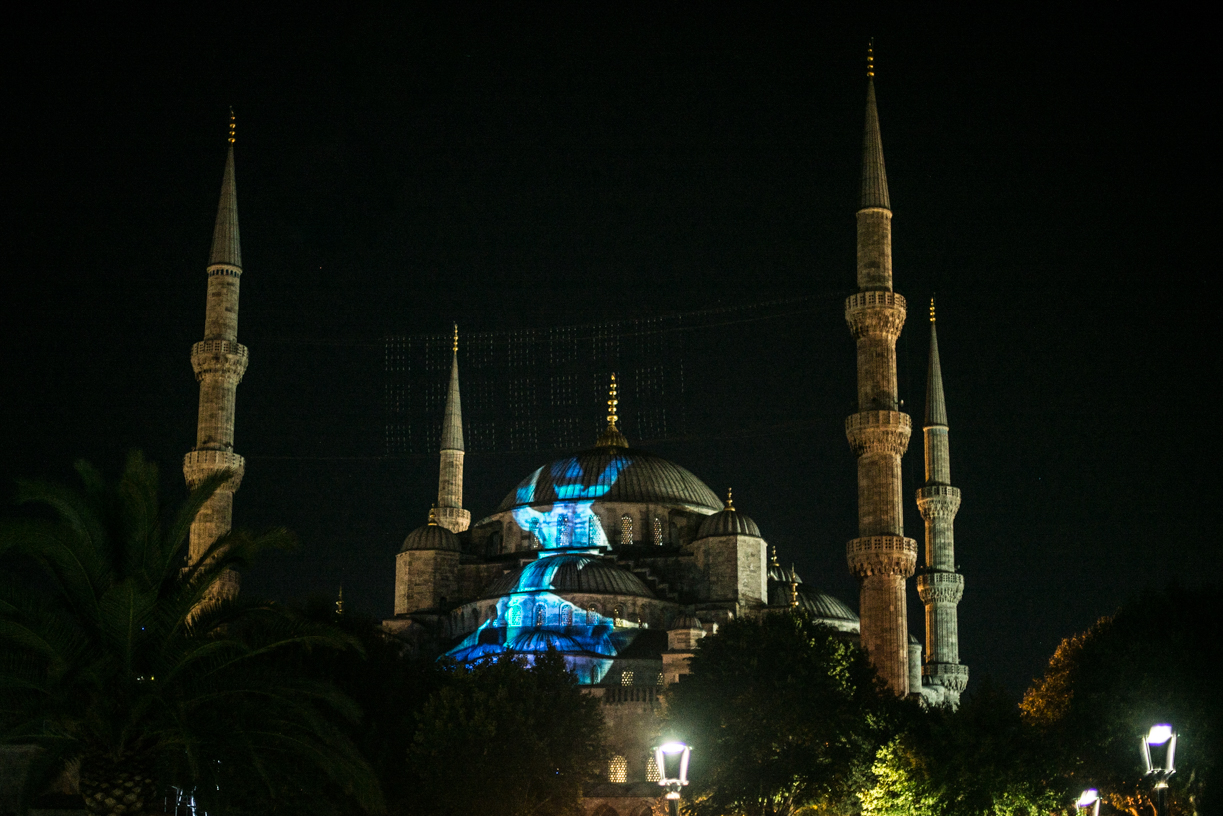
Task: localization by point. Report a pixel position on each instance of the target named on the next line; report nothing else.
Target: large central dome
(613, 474)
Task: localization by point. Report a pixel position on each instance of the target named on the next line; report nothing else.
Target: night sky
(1051, 178)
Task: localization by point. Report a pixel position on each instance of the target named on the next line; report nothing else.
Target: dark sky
(528, 168)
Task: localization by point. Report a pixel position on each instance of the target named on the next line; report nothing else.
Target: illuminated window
(592, 531)
(626, 678)
(658, 682)
(626, 530)
(515, 615)
(564, 531)
(540, 610)
(617, 769)
(658, 531)
(651, 770)
(567, 616)
(617, 621)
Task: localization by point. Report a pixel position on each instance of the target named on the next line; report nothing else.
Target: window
(592, 615)
(658, 531)
(658, 682)
(515, 615)
(626, 530)
(652, 773)
(593, 533)
(540, 611)
(567, 616)
(626, 678)
(617, 769)
(617, 620)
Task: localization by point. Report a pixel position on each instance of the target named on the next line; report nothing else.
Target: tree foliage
(782, 714)
(109, 658)
(1155, 661)
(504, 739)
(975, 760)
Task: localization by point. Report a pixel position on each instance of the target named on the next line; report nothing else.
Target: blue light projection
(530, 617)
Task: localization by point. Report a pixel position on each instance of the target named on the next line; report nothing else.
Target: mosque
(622, 561)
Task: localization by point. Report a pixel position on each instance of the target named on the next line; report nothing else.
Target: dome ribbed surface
(612, 475)
(569, 573)
(818, 604)
(728, 522)
(431, 537)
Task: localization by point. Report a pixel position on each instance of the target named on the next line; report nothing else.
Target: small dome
(431, 537)
(728, 522)
(819, 605)
(685, 621)
(569, 572)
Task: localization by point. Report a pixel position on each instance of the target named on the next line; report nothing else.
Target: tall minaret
(881, 557)
(219, 361)
(939, 585)
(450, 513)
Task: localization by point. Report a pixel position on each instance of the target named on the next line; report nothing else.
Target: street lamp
(1089, 801)
(672, 761)
(1159, 755)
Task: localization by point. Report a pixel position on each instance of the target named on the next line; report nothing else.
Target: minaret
(881, 557)
(450, 513)
(219, 361)
(939, 585)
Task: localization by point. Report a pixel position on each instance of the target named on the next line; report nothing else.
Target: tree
(111, 660)
(503, 739)
(782, 714)
(975, 760)
(1153, 662)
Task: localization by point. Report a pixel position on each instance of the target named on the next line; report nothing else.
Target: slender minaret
(450, 513)
(881, 557)
(219, 361)
(939, 585)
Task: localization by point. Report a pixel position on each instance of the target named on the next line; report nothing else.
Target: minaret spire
(939, 585)
(612, 436)
(881, 557)
(219, 361)
(449, 512)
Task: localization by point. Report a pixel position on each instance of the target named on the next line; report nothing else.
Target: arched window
(540, 612)
(652, 773)
(592, 615)
(626, 530)
(515, 615)
(658, 531)
(592, 531)
(617, 769)
(567, 616)
(617, 619)
(626, 678)
(658, 682)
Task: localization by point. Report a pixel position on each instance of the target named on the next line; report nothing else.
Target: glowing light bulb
(1159, 734)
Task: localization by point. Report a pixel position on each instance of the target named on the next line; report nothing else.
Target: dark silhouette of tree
(503, 739)
(1155, 661)
(782, 714)
(112, 658)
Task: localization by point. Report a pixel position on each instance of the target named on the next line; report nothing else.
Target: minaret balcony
(878, 432)
(219, 358)
(875, 313)
(940, 587)
(938, 501)
(953, 676)
(198, 465)
(882, 555)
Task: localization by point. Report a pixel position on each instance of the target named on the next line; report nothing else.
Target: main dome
(612, 474)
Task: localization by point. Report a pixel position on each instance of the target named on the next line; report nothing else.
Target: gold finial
(232, 126)
(793, 587)
(730, 500)
(456, 338)
(870, 59)
(612, 402)
(433, 516)
(932, 309)
(773, 560)
(339, 602)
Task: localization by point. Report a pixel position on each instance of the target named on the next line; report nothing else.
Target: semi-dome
(728, 522)
(613, 474)
(431, 537)
(569, 572)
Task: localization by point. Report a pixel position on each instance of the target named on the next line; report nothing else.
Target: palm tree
(113, 659)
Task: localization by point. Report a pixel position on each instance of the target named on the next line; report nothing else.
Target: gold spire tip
(774, 559)
(433, 516)
(456, 338)
(730, 499)
(232, 125)
(931, 310)
(612, 402)
(870, 58)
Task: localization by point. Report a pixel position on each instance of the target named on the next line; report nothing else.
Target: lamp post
(1089, 803)
(672, 761)
(1159, 756)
